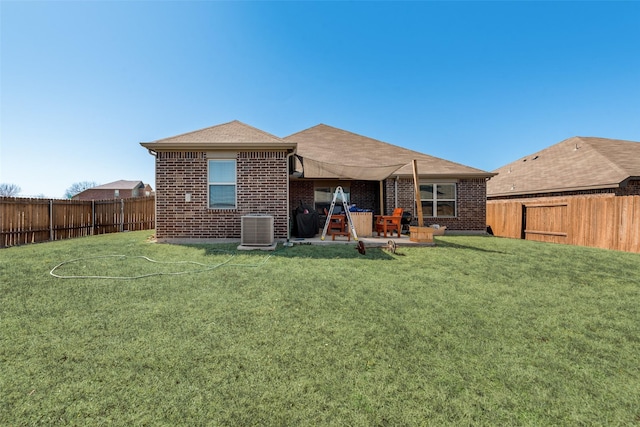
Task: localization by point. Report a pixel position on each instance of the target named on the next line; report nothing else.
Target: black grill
(406, 218)
(406, 221)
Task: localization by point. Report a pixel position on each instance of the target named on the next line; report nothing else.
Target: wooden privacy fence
(25, 221)
(602, 221)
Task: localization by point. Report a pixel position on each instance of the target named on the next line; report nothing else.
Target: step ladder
(352, 228)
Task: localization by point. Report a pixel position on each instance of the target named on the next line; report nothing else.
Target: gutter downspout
(288, 243)
(395, 192)
(155, 197)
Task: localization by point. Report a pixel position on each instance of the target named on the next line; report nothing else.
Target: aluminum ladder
(352, 228)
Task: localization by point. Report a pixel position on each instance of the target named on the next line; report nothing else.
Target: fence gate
(545, 222)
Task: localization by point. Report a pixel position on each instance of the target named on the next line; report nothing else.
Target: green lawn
(474, 331)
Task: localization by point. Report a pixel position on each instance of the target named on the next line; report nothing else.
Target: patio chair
(389, 223)
(337, 224)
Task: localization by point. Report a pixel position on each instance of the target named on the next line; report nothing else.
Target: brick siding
(301, 191)
(364, 194)
(632, 188)
(261, 189)
(471, 199)
(471, 204)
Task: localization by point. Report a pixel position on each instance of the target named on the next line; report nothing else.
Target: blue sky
(82, 83)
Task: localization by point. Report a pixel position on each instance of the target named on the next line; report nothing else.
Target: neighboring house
(582, 191)
(114, 190)
(208, 179)
(148, 191)
(575, 166)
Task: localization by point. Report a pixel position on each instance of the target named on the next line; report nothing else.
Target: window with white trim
(222, 184)
(438, 200)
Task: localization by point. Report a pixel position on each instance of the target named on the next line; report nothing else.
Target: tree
(9, 190)
(78, 187)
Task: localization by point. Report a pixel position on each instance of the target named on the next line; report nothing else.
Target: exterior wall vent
(257, 230)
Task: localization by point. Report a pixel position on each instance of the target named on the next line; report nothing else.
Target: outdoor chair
(388, 223)
(337, 223)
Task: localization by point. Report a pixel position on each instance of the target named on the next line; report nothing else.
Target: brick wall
(632, 188)
(301, 190)
(471, 199)
(261, 188)
(471, 203)
(364, 194)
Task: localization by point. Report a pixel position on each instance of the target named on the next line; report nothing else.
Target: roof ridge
(180, 135)
(197, 130)
(304, 130)
(264, 132)
(595, 148)
(364, 136)
(408, 150)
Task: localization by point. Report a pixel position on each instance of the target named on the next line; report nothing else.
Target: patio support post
(382, 212)
(395, 192)
(416, 184)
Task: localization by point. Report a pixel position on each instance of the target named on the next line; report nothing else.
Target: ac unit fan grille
(257, 230)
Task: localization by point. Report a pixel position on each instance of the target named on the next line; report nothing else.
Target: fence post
(121, 215)
(51, 219)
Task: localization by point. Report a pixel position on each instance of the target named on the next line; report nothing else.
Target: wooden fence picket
(24, 220)
(603, 221)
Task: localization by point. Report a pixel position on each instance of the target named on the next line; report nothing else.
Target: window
(222, 184)
(438, 200)
(324, 195)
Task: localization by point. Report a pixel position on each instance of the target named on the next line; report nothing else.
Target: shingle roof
(227, 135)
(577, 163)
(119, 185)
(329, 145)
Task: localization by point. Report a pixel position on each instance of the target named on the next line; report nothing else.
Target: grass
(476, 331)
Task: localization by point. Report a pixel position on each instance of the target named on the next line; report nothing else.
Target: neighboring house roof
(329, 152)
(577, 163)
(119, 185)
(226, 136)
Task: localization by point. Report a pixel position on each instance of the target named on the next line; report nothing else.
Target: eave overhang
(485, 175)
(207, 146)
(556, 190)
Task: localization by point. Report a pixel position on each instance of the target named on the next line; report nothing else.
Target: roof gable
(330, 145)
(119, 185)
(577, 163)
(231, 135)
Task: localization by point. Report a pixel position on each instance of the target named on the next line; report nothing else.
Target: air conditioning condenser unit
(256, 230)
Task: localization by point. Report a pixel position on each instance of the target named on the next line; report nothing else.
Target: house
(148, 191)
(379, 176)
(575, 166)
(122, 189)
(581, 191)
(206, 180)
